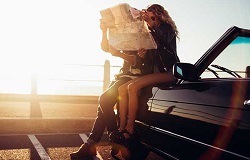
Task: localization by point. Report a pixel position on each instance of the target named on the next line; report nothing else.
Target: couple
(152, 67)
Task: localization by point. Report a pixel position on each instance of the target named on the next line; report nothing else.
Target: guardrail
(39, 113)
(106, 77)
(97, 76)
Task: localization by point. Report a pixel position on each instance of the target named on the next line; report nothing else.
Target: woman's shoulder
(166, 26)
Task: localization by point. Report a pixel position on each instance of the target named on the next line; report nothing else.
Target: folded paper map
(126, 30)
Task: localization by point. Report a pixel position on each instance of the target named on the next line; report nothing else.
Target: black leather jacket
(165, 56)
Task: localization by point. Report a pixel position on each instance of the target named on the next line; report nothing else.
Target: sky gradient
(40, 34)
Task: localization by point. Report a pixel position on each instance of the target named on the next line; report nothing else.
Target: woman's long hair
(163, 15)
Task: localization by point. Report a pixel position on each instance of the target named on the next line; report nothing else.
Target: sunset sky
(40, 34)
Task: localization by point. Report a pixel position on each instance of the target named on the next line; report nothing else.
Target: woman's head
(162, 15)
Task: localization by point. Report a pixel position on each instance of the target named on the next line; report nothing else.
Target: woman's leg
(135, 86)
(123, 104)
(107, 101)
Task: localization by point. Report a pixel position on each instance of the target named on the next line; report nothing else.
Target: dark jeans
(105, 111)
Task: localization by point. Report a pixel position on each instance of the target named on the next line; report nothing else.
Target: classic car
(206, 114)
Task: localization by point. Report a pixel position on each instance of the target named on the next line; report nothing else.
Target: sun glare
(41, 37)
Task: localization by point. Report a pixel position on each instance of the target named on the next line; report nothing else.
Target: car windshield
(232, 62)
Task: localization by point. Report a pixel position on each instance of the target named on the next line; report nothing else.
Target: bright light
(39, 36)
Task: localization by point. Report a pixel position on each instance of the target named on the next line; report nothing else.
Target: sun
(41, 38)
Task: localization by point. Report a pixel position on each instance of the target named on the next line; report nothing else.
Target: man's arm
(127, 57)
(104, 43)
(132, 59)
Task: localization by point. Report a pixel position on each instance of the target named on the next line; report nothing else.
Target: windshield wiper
(215, 73)
(227, 70)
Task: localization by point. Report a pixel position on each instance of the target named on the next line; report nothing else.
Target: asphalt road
(51, 147)
(22, 120)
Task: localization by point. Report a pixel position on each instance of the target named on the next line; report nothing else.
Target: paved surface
(53, 114)
(51, 147)
(48, 127)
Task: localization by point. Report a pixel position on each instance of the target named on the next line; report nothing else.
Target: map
(126, 30)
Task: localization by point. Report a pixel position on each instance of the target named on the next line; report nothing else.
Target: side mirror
(185, 71)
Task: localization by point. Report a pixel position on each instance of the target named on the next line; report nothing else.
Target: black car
(206, 115)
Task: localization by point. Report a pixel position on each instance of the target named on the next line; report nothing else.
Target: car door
(192, 117)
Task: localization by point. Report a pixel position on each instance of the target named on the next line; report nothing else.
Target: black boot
(85, 150)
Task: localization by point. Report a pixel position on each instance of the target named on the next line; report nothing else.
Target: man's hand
(104, 43)
(103, 26)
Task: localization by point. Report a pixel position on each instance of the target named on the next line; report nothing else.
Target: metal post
(34, 84)
(106, 79)
(35, 109)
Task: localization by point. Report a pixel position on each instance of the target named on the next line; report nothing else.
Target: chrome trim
(195, 141)
(159, 151)
(247, 102)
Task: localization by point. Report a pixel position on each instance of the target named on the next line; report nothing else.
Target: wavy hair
(163, 15)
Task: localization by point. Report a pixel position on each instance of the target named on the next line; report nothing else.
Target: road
(49, 128)
(51, 147)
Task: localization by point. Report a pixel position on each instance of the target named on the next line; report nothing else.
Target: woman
(165, 32)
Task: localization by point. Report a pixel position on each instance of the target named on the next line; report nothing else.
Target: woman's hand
(141, 52)
(146, 17)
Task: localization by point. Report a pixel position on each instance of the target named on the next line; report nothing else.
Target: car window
(235, 57)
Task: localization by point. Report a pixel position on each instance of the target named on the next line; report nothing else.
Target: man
(107, 101)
